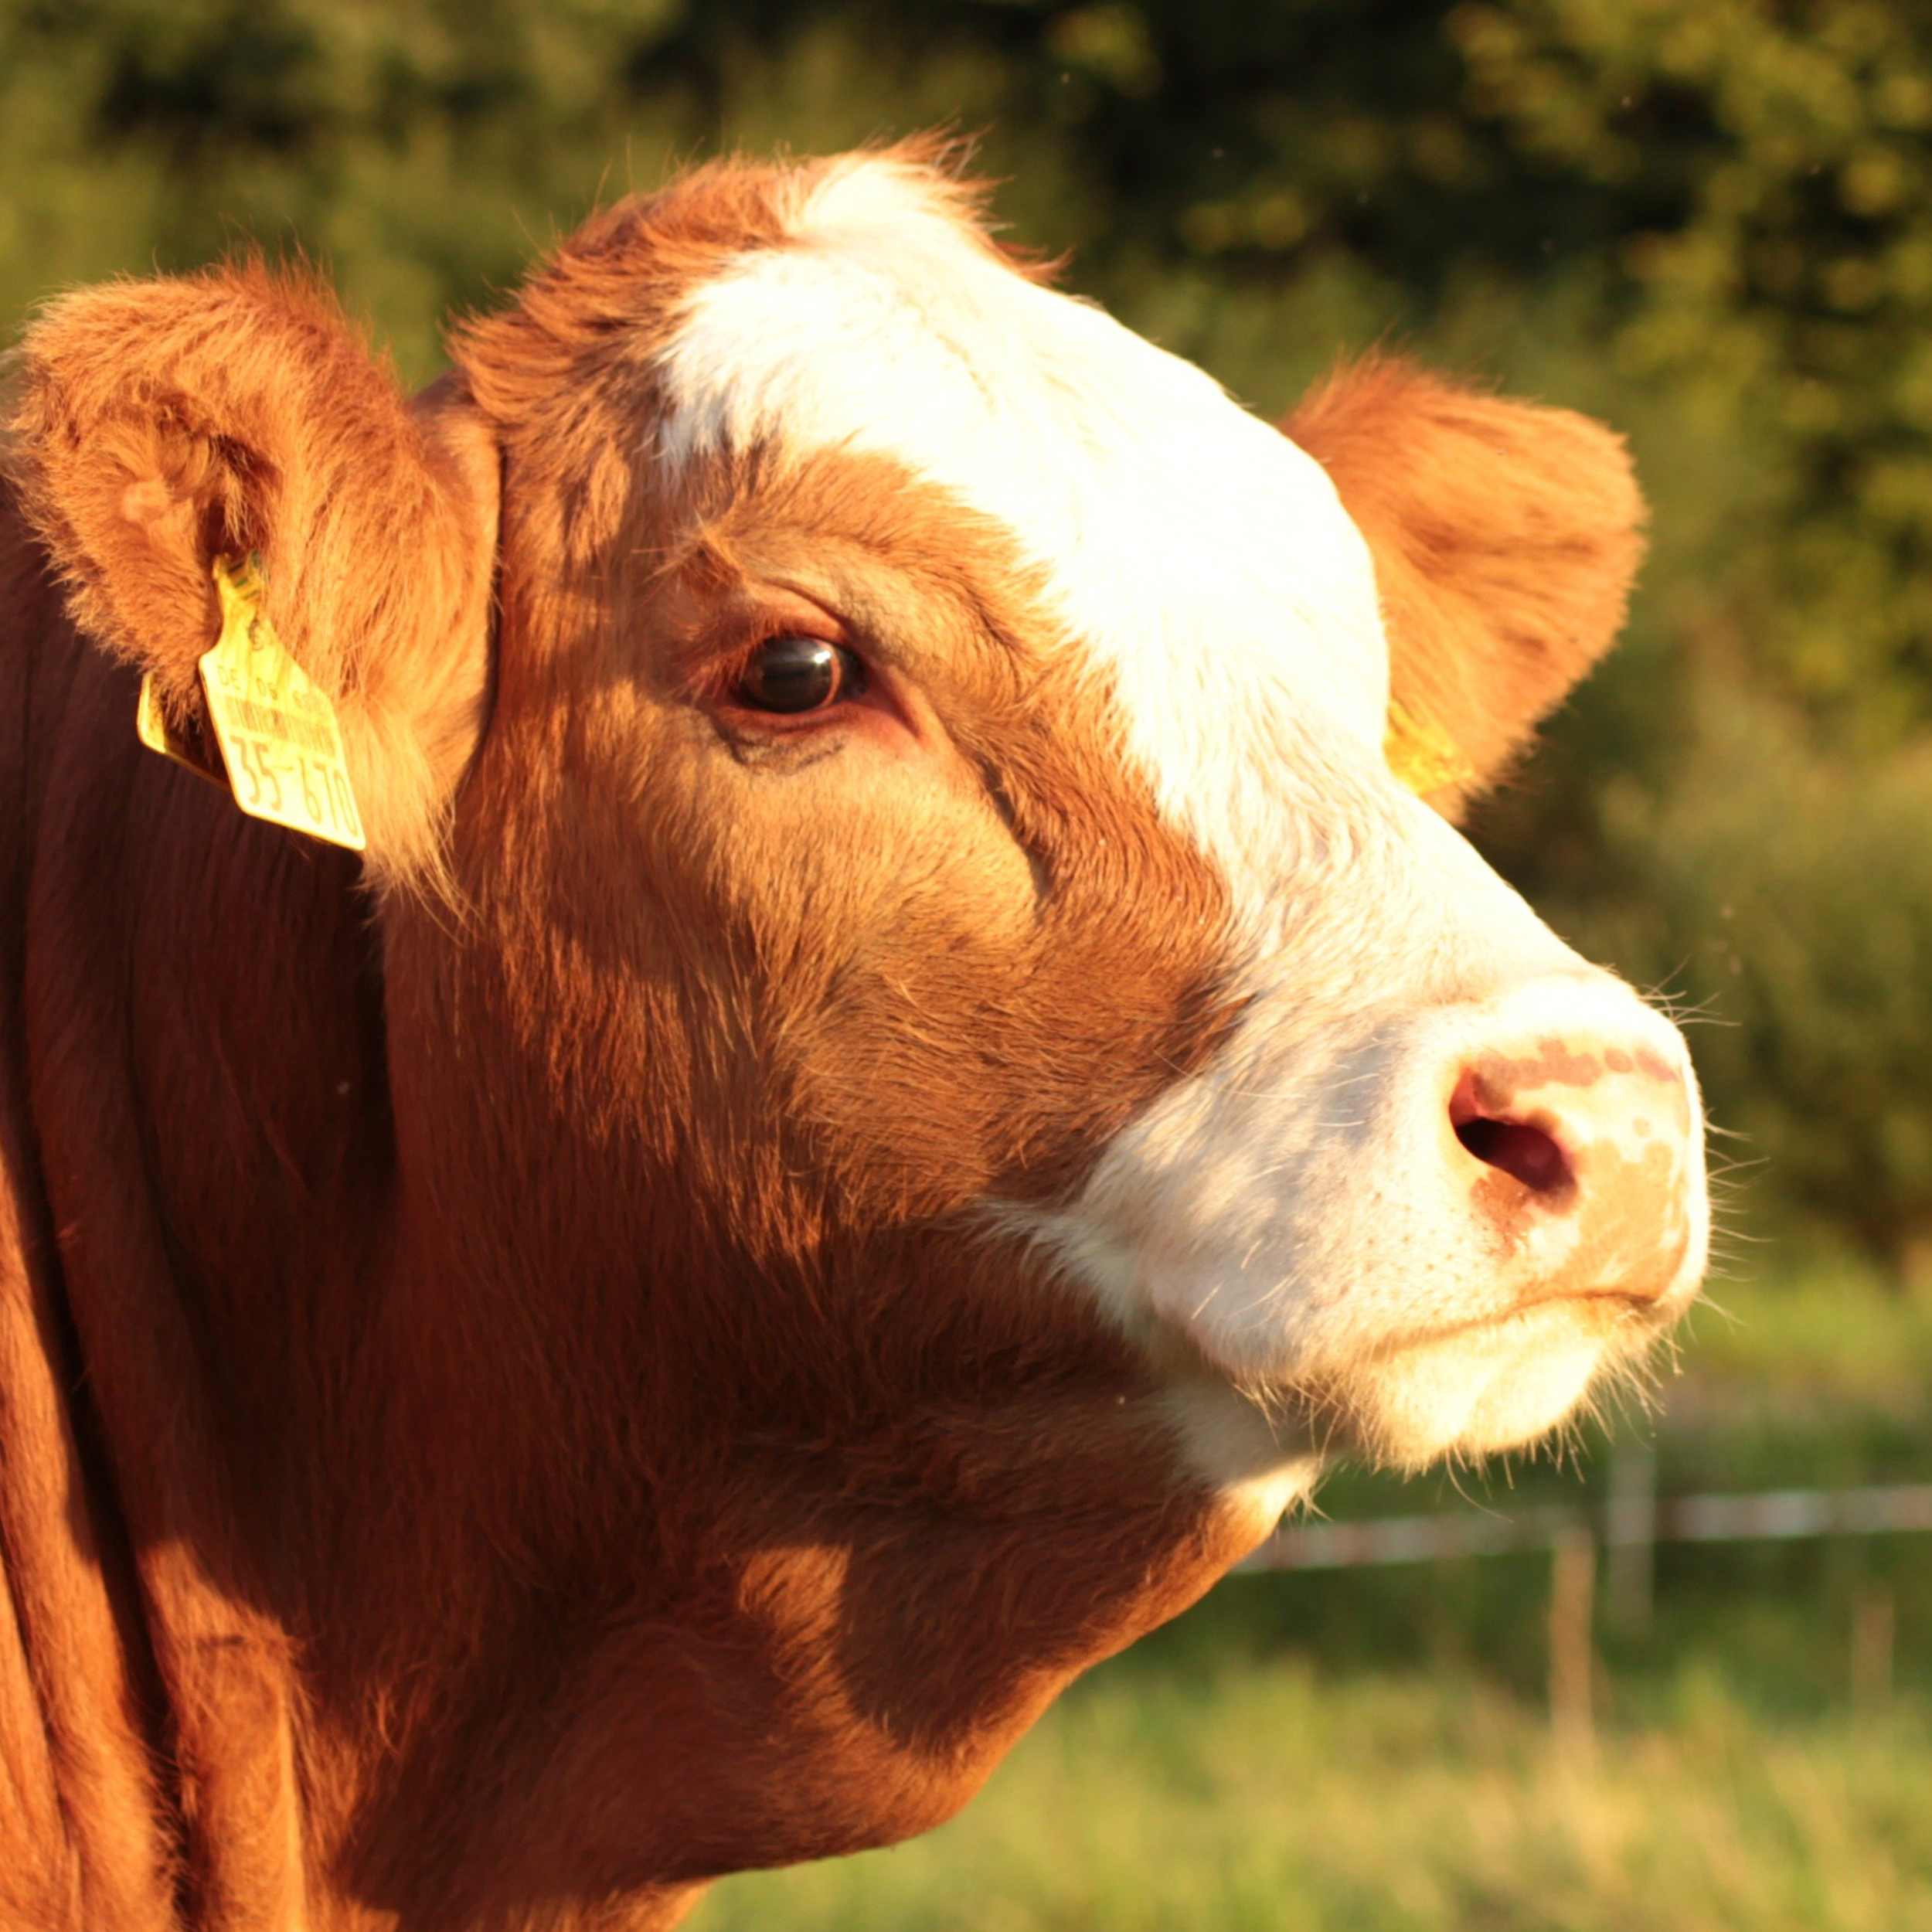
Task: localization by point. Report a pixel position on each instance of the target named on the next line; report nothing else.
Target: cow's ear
(1505, 538)
(157, 426)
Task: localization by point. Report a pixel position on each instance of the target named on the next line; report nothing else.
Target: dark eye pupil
(798, 673)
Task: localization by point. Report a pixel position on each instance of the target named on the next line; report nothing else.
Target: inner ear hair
(1506, 537)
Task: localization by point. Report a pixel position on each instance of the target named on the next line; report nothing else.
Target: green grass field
(1370, 1751)
(1271, 1800)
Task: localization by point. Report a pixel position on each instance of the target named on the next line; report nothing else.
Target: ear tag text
(277, 730)
(1421, 754)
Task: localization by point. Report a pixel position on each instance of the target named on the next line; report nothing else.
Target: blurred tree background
(1708, 221)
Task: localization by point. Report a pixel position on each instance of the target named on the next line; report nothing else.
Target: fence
(1632, 1521)
(1763, 1515)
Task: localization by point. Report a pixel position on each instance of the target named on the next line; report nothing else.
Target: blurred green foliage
(1707, 220)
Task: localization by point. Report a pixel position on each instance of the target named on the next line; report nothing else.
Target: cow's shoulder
(80, 1815)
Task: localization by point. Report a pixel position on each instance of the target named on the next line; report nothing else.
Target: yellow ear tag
(1421, 754)
(276, 726)
(189, 749)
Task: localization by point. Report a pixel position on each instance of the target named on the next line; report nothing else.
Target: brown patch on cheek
(1088, 981)
(826, 993)
(906, 1004)
(1123, 973)
(975, 966)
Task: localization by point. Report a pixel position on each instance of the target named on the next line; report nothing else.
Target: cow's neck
(793, 1582)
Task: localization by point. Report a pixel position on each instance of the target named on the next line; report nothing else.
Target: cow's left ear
(1505, 537)
(156, 427)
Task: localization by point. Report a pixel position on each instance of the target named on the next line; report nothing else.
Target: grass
(1368, 1751)
(1273, 1801)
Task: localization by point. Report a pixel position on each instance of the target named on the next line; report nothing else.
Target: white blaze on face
(1205, 560)
(1295, 1210)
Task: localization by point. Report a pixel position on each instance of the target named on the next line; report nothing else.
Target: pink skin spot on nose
(1565, 1068)
(1500, 1076)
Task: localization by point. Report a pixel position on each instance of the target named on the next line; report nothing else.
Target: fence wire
(1749, 1517)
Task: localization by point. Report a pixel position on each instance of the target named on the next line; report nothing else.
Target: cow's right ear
(1505, 536)
(158, 426)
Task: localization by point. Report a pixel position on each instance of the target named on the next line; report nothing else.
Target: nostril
(1524, 1152)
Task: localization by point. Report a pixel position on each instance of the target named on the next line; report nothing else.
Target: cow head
(934, 1065)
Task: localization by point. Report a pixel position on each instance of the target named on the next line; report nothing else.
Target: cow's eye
(795, 675)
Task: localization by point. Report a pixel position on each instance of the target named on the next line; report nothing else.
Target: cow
(895, 1041)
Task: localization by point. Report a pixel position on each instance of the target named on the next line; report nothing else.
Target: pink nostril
(1532, 1156)
(1526, 1153)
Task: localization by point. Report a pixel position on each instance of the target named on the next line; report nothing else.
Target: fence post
(1873, 1628)
(1573, 1563)
(1629, 1533)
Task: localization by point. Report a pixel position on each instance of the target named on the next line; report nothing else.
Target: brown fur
(1505, 535)
(508, 1408)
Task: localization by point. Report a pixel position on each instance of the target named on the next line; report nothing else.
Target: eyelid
(783, 611)
(762, 625)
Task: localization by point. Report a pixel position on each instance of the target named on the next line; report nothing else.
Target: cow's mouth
(1614, 1310)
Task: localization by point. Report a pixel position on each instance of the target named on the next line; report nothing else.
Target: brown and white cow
(897, 1066)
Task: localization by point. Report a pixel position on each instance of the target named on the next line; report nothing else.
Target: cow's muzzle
(1573, 1133)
